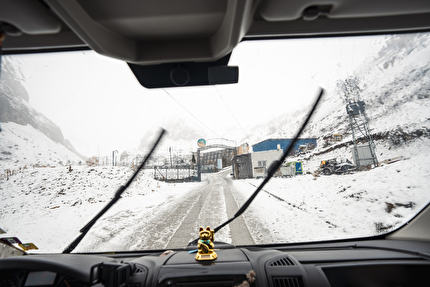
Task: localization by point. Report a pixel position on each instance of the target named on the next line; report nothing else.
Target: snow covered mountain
(22, 146)
(26, 133)
(395, 87)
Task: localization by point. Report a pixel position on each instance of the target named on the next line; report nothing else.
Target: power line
(191, 113)
(237, 122)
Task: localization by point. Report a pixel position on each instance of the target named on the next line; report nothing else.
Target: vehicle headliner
(154, 32)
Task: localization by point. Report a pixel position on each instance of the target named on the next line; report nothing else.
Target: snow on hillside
(48, 206)
(22, 146)
(394, 85)
(342, 206)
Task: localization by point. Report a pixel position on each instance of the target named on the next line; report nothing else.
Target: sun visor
(29, 17)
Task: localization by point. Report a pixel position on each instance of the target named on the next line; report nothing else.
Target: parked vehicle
(331, 166)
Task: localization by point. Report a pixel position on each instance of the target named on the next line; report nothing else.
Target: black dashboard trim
(310, 262)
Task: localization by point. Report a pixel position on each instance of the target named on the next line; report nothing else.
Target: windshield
(76, 125)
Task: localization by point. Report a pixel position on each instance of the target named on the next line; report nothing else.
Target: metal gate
(175, 174)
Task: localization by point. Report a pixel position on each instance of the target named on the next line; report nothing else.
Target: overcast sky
(100, 106)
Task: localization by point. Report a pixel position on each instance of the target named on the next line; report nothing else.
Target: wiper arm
(272, 169)
(117, 196)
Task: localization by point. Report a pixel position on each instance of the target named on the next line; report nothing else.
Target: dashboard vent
(138, 269)
(288, 282)
(281, 262)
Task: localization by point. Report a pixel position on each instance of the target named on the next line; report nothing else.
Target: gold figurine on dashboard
(205, 245)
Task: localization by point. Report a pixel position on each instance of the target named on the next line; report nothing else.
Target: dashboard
(348, 263)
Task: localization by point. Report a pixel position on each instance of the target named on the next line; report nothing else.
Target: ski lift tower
(364, 154)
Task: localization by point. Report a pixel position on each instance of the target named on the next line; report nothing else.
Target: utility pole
(199, 168)
(171, 163)
(113, 157)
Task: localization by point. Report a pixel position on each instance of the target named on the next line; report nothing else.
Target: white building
(262, 160)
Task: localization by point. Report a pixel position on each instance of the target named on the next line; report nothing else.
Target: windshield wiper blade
(117, 196)
(272, 169)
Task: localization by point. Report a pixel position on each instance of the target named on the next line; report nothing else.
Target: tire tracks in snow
(187, 231)
(172, 224)
(215, 206)
(137, 230)
(214, 211)
(240, 232)
(158, 232)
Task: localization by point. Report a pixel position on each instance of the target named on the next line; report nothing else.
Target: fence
(175, 174)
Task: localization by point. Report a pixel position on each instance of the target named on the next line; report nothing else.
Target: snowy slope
(15, 106)
(48, 206)
(395, 87)
(22, 146)
(343, 206)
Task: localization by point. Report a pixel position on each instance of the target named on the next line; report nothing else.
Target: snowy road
(175, 222)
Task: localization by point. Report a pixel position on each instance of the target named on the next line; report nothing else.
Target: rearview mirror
(186, 74)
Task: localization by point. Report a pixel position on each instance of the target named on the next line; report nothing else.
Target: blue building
(272, 144)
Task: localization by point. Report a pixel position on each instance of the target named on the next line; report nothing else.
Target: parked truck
(332, 166)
